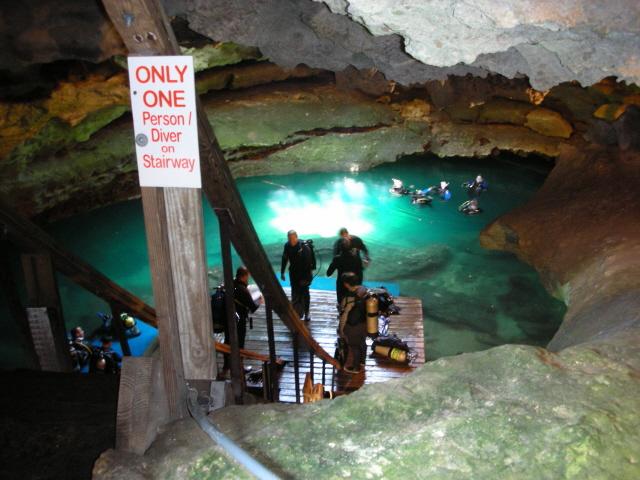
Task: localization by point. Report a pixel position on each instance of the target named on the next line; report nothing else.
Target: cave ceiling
(409, 41)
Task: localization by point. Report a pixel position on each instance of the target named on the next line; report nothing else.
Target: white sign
(163, 104)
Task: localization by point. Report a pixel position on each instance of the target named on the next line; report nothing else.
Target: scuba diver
(442, 191)
(356, 244)
(104, 359)
(398, 188)
(302, 263)
(470, 207)
(352, 324)
(80, 351)
(244, 305)
(475, 187)
(348, 260)
(421, 197)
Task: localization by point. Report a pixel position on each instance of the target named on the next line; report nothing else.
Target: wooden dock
(408, 325)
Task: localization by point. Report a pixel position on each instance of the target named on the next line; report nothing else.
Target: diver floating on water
(442, 191)
(398, 189)
(475, 187)
(421, 197)
(470, 207)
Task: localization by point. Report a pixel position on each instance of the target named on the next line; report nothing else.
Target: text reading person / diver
(153, 161)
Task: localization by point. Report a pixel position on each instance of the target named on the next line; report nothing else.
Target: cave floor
(55, 425)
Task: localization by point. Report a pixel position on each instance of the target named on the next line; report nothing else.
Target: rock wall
(581, 231)
(72, 150)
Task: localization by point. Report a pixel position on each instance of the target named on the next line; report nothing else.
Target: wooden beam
(28, 236)
(44, 311)
(145, 30)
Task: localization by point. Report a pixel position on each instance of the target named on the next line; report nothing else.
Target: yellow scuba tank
(372, 315)
(393, 353)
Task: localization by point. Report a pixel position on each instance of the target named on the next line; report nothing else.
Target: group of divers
(362, 312)
(425, 196)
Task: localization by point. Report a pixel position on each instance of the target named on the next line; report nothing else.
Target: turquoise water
(472, 298)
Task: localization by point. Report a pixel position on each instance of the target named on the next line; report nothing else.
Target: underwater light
(323, 214)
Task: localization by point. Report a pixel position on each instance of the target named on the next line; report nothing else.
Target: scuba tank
(372, 315)
(391, 352)
(393, 348)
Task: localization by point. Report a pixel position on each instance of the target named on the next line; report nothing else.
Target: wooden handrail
(224, 348)
(25, 234)
(217, 182)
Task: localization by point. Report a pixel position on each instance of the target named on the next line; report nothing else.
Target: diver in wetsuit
(302, 262)
(476, 187)
(356, 243)
(352, 325)
(347, 260)
(80, 351)
(470, 207)
(104, 359)
(244, 305)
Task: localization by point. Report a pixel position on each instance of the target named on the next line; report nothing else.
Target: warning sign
(164, 121)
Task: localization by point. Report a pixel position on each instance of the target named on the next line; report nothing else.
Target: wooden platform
(408, 325)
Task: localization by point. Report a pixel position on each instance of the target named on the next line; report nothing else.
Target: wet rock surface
(511, 409)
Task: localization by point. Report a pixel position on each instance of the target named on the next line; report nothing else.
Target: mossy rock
(548, 123)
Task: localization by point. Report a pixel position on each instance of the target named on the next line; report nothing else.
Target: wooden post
(174, 226)
(162, 277)
(237, 378)
(191, 285)
(44, 311)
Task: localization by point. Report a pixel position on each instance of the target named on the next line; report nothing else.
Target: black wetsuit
(244, 305)
(81, 353)
(302, 263)
(353, 326)
(355, 242)
(346, 261)
(111, 361)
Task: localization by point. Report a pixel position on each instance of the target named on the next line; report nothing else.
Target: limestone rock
(549, 123)
(219, 54)
(500, 110)
(534, 38)
(511, 409)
